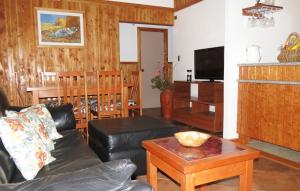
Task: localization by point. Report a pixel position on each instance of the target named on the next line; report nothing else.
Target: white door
(152, 60)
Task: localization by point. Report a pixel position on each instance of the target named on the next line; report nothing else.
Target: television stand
(199, 114)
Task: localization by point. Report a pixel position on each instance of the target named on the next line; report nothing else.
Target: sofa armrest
(63, 117)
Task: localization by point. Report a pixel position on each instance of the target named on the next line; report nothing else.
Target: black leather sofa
(76, 166)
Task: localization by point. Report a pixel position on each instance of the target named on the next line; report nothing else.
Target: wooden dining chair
(135, 94)
(49, 78)
(72, 88)
(109, 95)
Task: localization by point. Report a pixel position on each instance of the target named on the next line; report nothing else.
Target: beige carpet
(268, 176)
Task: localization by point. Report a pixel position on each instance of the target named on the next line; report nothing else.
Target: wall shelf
(260, 9)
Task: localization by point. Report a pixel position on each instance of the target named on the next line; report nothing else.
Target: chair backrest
(135, 93)
(49, 78)
(72, 88)
(109, 94)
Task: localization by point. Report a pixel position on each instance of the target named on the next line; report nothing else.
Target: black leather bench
(121, 138)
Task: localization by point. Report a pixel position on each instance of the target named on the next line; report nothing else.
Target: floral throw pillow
(46, 118)
(31, 119)
(24, 146)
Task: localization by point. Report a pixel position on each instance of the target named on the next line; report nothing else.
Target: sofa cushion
(24, 146)
(63, 117)
(32, 119)
(46, 118)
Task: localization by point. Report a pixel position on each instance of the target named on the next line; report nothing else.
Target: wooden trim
(152, 29)
(123, 4)
(165, 31)
(147, 23)
(178, 6)
(280, 160)
(274, 158)
(131, 62)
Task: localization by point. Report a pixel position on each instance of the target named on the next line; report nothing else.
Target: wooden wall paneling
(244, 73)
(273, 72)
(251, 118)
(252, 72)
(287, 110)
(3, 47)
(297, 72)
(20, 54)
(295, 117)
(266, 72)
(259, 74)
(241, 106)
(259, 110)
(127, 69)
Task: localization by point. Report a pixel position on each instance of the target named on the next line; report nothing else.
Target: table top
(214, 152)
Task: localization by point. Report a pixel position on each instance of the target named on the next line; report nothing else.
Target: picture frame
(57, 27)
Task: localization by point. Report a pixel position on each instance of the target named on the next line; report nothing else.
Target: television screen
(209, 63)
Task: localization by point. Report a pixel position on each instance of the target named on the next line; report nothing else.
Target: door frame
(139, 33)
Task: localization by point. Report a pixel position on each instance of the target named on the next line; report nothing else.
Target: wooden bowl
(191, 138)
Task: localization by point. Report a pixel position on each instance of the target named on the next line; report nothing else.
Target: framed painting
(60, 27)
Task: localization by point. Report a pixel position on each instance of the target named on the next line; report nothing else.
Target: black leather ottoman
(121, 138)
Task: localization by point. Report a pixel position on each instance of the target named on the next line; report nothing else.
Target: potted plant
(166, 96)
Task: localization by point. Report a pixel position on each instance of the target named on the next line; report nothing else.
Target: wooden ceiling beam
(181, 4)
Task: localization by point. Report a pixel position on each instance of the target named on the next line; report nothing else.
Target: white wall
(213, 23)
(128, 41)
(200, 26)
(238, 36)
(161, 3)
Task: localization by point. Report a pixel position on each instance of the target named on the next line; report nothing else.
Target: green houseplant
(166, 96)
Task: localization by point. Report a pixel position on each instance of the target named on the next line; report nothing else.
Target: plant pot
(166, 103)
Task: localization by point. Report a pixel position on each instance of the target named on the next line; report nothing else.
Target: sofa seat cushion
(46, 118)
(72, 153)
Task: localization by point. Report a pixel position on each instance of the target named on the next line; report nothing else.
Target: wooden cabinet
(269, 104)
(210, 94)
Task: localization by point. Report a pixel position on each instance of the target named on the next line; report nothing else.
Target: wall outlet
(212, 108)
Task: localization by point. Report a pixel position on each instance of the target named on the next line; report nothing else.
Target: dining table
(45, 92)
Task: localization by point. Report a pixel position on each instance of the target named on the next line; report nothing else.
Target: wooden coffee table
(216, 159)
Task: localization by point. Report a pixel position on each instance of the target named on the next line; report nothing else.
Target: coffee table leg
(187, 183)
(151, 172)
(247, 178)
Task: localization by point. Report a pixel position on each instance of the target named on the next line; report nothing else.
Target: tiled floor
(268, 175)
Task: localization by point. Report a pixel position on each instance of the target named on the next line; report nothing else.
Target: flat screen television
(209, 63)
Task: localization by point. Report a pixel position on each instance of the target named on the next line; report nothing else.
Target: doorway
(153, 56)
